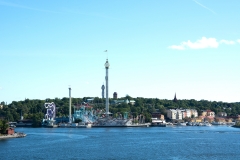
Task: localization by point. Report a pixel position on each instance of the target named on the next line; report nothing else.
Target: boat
(207, 124)
(75, 125)
(181, 124)
(158, 123)
(218, 123)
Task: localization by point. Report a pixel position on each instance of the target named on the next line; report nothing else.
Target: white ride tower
(107, 100)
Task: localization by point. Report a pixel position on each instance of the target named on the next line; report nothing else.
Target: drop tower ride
(106, 78)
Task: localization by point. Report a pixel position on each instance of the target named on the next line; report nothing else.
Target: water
(171, 143)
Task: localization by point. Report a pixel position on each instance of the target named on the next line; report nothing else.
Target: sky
(155, 49)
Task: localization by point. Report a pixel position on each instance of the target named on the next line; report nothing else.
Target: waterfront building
(187, 113)
(190, 113)
(222, 114)
(10, 131)
(179, 114)
(198, 119)
(208, 113)
(209, 119)
(220, 119)
(158, 115)
(171, 114)
(24, 123)
(175, 114)
(194, 112)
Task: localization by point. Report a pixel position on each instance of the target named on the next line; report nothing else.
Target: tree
(78, 120)
(37, 119)
(3, 126)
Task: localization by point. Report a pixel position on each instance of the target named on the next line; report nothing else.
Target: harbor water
(171, 143)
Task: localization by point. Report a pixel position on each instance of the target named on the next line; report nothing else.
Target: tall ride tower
(70, 99)
(107, 100)
(103, 87)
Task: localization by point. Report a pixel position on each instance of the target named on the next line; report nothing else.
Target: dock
(132, 125)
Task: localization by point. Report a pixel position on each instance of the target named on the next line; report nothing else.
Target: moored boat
(158, 123)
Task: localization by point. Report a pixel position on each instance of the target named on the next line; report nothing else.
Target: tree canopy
(34, 109)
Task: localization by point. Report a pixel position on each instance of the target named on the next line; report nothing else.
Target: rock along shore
(15, 135)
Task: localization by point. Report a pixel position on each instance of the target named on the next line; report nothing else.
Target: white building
(180, 114)
(175, 114)
(190, 112)
(194, 112)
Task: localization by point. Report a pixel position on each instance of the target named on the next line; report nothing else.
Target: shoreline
(15, 135)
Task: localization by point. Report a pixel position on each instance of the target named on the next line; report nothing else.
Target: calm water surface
(172, 143)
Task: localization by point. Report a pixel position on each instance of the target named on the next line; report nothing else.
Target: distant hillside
(34, 109)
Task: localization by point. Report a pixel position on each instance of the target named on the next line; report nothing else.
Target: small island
(8, 132)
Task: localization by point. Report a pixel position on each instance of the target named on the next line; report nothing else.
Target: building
(158, 115)
(222, 114)
(120, 101)
(115, 95)
(90, 100)
(187, 113)
(24, 123)
(190, 113)
(198, 119)
(175, 114)
(132, 102)
(175, 98)
(10, 131)
(194, 113)
(208, 113)
(220, 119)
(180, 114)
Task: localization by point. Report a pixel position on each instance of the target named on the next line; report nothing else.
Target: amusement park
(85, 116)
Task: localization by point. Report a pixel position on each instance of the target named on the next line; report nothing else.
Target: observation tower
(109, 121)
(106, 78)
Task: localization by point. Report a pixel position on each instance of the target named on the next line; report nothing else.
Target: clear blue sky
(155, 48)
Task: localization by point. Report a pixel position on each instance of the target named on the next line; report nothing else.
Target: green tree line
(35, 110)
